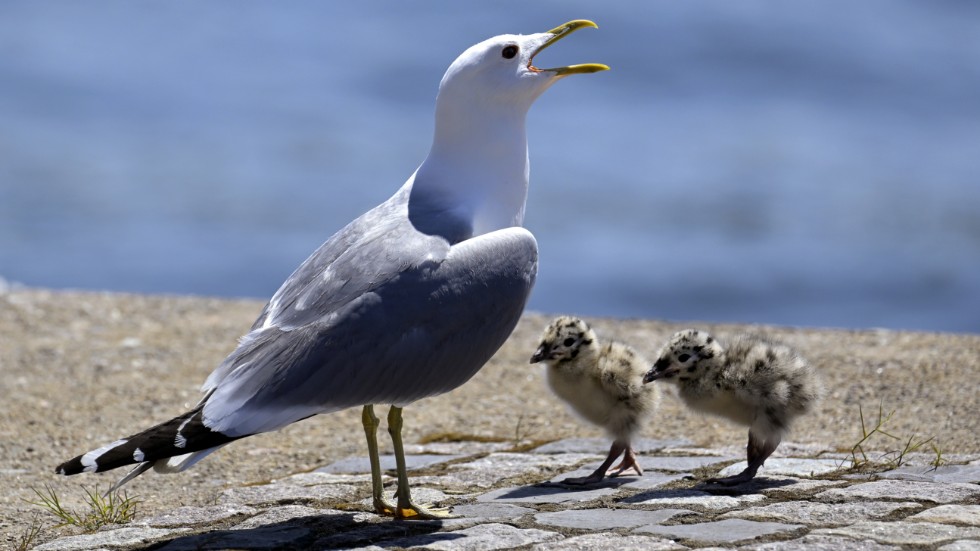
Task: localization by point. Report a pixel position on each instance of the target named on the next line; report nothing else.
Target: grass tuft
(102, 509)
(891, 459)
(30, 534)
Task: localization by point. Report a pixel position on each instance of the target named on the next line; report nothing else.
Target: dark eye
(683, 358)
(569, 341)
(509, 51)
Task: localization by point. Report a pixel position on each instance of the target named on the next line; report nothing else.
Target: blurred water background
(812, 163)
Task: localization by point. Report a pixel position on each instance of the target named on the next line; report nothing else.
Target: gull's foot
(412, 511)
(384, 507)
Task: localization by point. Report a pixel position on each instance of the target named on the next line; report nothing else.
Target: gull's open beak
(557, 34)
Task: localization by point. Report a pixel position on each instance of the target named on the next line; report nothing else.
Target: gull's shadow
(326, 531)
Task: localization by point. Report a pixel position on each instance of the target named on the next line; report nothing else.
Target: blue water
(810, 163)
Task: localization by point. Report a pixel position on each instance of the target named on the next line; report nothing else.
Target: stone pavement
(506, 497)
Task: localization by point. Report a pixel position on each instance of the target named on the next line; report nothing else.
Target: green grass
(30, 534)
(102, 509)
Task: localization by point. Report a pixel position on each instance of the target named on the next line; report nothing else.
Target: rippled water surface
(807, 163)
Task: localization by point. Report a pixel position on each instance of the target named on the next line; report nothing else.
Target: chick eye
(509, 51)
(569, 341)
(683, 358)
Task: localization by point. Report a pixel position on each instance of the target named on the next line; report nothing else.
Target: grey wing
(375, 247)
(422, 331)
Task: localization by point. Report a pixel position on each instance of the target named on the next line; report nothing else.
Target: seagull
(407, 301)
(602, 383)
(753, 381)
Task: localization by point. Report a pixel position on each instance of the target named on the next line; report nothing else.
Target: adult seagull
(407, 301)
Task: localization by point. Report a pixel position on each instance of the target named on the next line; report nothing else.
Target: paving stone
(491, 511)
(361, 534)
(950, 514)
(927, 459)
(191, 516)
(961, 545)
(781, 487)
(759, 485)
(361, 464)
(519, 463)
(823, 514)
(317, 478)
(545, 494)
(283, 514)
(822, 543)
(600, 446)
(488, 471)
(460, 481)
(723, 531)
(607, 519)
(462, 449)
(256, 539)
(907, 490)
(501, 467)
(110, 538)
(787, 466)
(610, 542)
(276, 493)
(679, 464)
(903, 533)
(648, 481)
(693, 498)
(652, 479)
(947, 473)
(484, 537)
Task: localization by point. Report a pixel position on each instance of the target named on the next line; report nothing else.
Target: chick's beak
(540, 354)
(558, 33)
(660, 370)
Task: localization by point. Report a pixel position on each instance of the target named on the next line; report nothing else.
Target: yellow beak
(558, 33)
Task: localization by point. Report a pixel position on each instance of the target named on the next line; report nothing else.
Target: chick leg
(758, 450)
(628, 462)
(615, 451)
(370, 421)
(406, 509)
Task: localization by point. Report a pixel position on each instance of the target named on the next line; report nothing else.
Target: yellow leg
(407, 508)
(370, 421)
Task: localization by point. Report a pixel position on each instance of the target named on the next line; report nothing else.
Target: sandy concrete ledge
(78, 370)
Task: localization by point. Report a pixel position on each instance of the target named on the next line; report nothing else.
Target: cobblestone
(792, 505)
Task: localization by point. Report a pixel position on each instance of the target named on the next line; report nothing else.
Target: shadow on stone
(320, 531)
(607, 482)
(753, 486)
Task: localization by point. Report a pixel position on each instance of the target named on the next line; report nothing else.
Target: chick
(753, 382)
(603, 384)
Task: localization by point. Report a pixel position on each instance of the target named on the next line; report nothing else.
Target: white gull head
(476, 174)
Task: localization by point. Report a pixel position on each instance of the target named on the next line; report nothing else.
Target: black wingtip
(180, 435)
(70, 467)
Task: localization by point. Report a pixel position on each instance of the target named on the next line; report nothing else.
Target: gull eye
(569, 341)
(683, 358)
(509, 51)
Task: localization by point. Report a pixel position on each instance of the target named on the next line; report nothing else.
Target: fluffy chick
(602, 384)
(753, 382)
